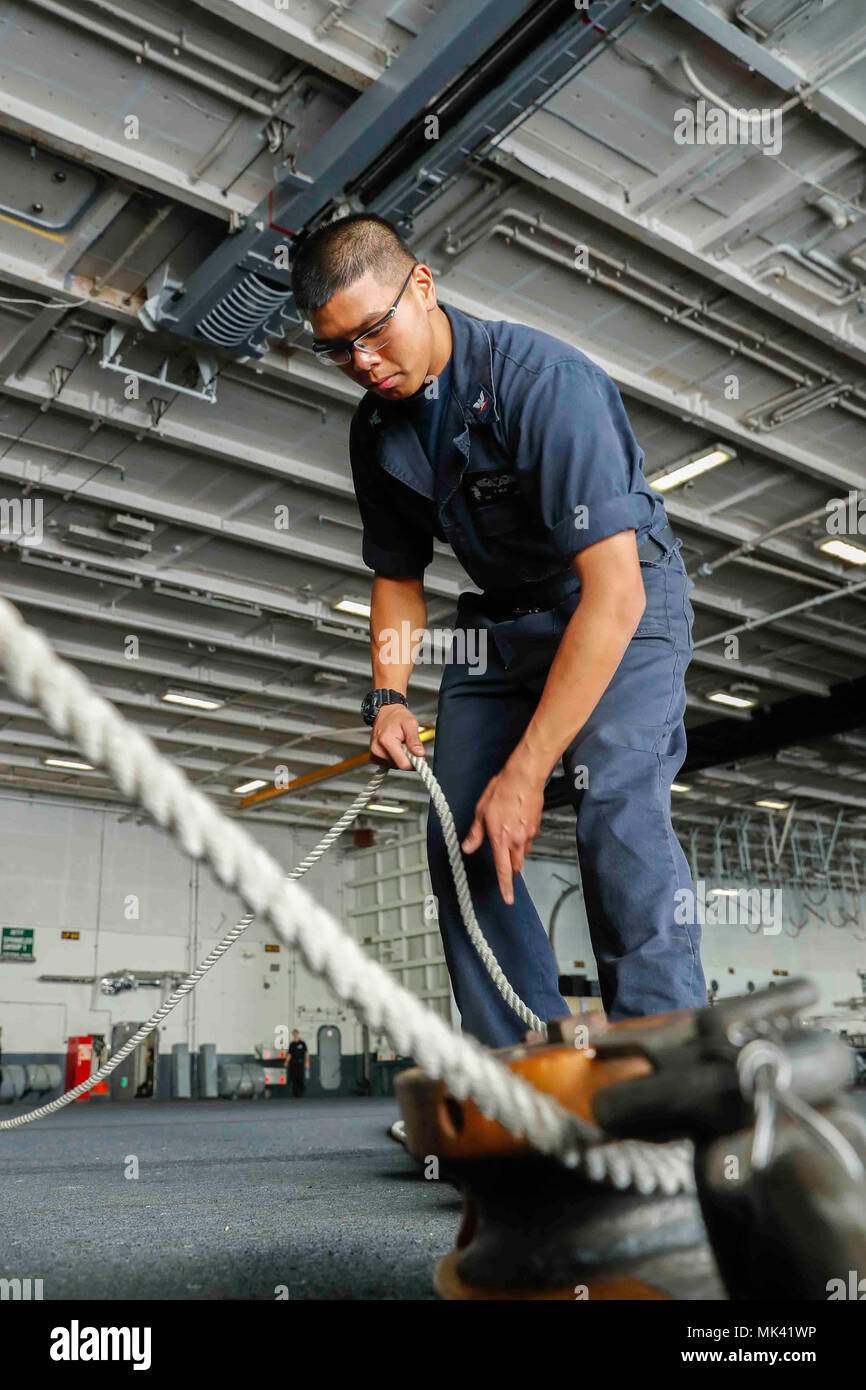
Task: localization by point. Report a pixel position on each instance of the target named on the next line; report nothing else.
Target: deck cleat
(717, 1157)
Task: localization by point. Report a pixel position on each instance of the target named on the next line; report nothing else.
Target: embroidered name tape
(492, 487)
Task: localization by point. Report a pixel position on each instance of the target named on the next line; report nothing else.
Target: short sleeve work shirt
(533, 459)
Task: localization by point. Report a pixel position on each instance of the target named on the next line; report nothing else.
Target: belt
(549, 592)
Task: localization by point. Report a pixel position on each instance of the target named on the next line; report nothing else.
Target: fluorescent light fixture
(184, 697)
(255, 785)
(770, 805)
(724, 892)
(69, 763)
(357, 606)
(681, 786)
(675, 477)
(844, 550)
(721, 697)
(380, 806)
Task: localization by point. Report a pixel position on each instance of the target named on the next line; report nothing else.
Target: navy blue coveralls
(537, 460)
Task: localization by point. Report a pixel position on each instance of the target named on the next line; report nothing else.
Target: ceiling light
(357, 606)
(381, 806)
(330, 678)
(723, 892)
(844, 550)
(675, 477)
(722, 697)
(680, 787)
(184, 697)
(68, 763)
(770, 805)
(254, 786)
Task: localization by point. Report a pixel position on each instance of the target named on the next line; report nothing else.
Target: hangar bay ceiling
(166, 409)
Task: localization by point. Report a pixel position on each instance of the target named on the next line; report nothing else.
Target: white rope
(201, 969)
(464, 898)
(36, 674)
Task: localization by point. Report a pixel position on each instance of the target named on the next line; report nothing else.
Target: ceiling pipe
(143, 53)
(181, 42)
(457, 245)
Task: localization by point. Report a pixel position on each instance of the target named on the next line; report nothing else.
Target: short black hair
(339, 253)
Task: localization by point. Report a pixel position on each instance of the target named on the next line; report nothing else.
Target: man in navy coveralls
(515, 449)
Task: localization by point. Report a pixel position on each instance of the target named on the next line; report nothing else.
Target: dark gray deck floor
(232, 1199)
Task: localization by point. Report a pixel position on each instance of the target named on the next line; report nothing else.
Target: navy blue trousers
(618, 770)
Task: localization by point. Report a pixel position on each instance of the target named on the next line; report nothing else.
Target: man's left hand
(509, 813)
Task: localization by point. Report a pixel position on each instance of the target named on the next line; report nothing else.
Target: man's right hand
(394, 726)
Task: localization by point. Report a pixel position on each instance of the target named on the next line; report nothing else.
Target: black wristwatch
(375, 699)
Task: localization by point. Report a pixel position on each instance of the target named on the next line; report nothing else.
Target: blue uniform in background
(530, 458)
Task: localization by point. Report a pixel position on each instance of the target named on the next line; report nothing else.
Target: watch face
(370, 706)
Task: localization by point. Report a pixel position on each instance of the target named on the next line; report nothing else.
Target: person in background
(298, 1053)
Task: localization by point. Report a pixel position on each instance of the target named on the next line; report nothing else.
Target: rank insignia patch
(481, 403)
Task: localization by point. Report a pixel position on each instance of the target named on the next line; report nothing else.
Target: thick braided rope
(187, 985)
(464, 898)
(36, 674)
(141, 773)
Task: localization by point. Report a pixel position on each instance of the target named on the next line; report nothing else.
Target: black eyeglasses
(339, 354)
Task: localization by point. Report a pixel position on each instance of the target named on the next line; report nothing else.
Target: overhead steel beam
(134, 419)
(121, 498)
(805, 718)
(467, 65)
(229, 286)
(173, 580)
(236, 680)
(275, 603)
(761, 671)
(15, 356)
(81, 403)
(262, 649)
(775, 779)
(537, 64)
(53, 782)
(286, 30)
(697, 409)
(780, 196)
(768, 63)
(753, 54)
(692, 407)
(41, 121)
(549, 171)
(191, 759)
(809, 632)
(36, 790)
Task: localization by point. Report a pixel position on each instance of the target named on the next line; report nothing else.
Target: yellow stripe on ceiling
(28, 227)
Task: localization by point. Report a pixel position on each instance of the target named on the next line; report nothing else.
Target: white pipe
(143, 53)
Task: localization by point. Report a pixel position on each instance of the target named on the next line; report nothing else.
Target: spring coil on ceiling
(244, 309)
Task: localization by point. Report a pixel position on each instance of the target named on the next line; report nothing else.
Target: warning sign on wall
(16, 943)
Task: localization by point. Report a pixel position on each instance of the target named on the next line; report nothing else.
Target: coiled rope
(72, 708)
